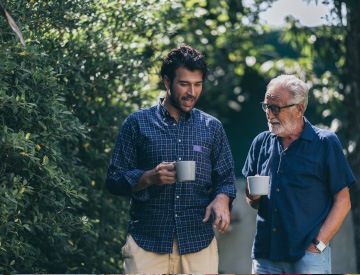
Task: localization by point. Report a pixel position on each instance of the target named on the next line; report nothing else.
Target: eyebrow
(186, 81)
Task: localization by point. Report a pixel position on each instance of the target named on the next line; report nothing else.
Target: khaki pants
(139, 261)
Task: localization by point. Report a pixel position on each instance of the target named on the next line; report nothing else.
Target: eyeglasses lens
(274, 109)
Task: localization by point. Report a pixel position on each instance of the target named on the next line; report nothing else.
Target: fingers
(222, 223)
(165, 166)
(164, 173)
(207, 214)
(217, 222)
(251, 197)
(219, 207)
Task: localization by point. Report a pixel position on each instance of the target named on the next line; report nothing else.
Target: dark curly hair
(183, 57)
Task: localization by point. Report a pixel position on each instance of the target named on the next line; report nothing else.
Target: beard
(282, 129)
(176, 101)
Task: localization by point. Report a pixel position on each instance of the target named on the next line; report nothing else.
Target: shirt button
(177, 197)
(284, 154)
(174, 124)
(176, 215)
(179, 158)
(179, 140)
(277, 190)
(274, 229)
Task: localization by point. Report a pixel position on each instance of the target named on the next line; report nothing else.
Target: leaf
(45, 160)
(66, 112)
(27, 227)
(22, 190)
(42, 125)
(12, 23)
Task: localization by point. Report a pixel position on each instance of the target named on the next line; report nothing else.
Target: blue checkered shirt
(158, 213)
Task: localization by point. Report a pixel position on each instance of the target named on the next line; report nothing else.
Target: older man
(309, 185)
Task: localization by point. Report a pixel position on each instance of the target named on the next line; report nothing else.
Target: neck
(175, 113)
(287, 140)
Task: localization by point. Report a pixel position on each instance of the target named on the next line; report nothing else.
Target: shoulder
(141, 114)
(262, 140)
(203, 117)
(325, 135)
(264, 136)
(327, 141)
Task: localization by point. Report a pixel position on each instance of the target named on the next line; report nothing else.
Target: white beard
(284, 129)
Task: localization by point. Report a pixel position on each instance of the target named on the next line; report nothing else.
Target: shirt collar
(162, 109)
(308, 132)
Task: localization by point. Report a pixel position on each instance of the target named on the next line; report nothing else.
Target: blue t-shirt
(304, 179)
(151, 136)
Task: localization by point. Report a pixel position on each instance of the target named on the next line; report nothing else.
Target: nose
(269, 113)
(191, 90)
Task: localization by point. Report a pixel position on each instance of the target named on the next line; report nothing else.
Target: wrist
(222, 196)
(319, 245)
(144, 182)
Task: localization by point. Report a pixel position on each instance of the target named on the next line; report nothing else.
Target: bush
(41, 214)
(63, 97)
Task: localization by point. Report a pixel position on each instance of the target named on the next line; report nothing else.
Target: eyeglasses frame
(266, 107)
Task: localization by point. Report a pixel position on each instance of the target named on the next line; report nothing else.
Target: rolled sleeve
(123, 176)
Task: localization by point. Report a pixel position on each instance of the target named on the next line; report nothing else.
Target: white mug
(258, 185)
(185, 170)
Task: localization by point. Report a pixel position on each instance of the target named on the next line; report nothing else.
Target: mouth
(273, 123)
(188, 101)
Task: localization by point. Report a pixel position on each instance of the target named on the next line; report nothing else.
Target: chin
(276, 130)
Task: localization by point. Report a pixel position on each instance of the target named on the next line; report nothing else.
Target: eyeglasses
(274, 109)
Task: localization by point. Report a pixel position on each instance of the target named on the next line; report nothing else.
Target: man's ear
(301, 108)
(166, 81)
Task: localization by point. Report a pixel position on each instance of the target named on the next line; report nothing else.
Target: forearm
(144, 181)
(334, 220)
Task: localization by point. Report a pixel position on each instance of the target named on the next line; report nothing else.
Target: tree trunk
(352, 103)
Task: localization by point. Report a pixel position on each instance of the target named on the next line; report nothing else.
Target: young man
(172, 223)
(309, 187)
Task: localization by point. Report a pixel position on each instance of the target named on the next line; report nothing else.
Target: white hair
(297, 87)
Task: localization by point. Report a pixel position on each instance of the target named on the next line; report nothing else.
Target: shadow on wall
(235, 245)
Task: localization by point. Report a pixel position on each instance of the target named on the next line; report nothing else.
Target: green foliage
(86, 67)
(323, 50)
(229, 34)
(89, 64)
(108, 58)
(41, 208)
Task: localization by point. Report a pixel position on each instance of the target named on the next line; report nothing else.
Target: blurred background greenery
(88, 64)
